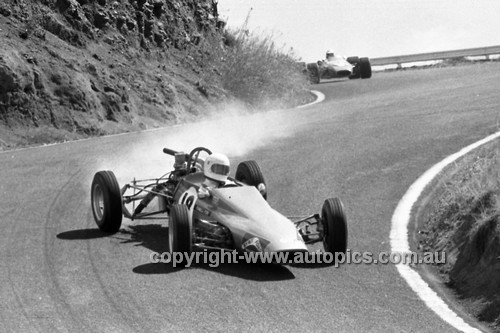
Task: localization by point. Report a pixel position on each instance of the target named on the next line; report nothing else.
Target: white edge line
(399, 239)
(320, 97)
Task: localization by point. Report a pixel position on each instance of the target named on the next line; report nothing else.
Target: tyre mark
(49, 266)
(18, 299)
(126, 317)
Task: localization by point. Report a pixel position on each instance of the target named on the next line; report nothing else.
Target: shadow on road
(82, 234)
(254, 272)
(155, 238)
(151, 236)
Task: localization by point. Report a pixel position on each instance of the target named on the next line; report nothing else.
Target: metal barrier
(398, 60)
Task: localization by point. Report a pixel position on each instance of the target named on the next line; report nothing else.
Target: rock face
(173, 23)
(88, 67)
(15, 74)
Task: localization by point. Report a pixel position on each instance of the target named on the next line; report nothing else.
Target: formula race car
(336, 66)
(208, 209)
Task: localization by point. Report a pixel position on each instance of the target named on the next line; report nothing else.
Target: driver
(216, 170)
(329, 55)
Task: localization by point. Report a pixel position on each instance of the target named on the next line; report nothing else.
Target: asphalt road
(366, 143)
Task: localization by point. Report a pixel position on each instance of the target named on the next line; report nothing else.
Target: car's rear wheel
(179, 229)
(355, 70)
(353, 60)
(334, 225)
(106, 200)
(249, 172)
(313, 70)
(365, 68)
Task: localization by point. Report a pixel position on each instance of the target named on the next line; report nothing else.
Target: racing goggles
(220, 169)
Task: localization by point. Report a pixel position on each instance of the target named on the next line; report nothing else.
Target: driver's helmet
(329, 54)
(216, 167)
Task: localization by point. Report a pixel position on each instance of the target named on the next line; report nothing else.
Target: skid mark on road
(399, 239)
(113, 300)
(61, 304)
(10, 279)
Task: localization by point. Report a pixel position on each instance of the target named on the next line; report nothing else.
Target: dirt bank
(463, 219)
(77, 68)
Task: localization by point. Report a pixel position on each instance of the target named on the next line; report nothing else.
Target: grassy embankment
(255, 70)
(464, 221)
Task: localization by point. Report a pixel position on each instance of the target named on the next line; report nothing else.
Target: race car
(336, 66)
(208, 209)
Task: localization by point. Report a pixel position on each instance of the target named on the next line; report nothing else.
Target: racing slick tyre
(355, 70)
(334, 226)
(313, 70)
(106, 201)
(249, 172)
(179, 229)
(353, 60)
(365, 68)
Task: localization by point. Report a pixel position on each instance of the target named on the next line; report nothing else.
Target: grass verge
(463, 219)
(253, 69)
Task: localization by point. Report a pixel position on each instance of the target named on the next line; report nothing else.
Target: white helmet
(216, 167)
(329, 53)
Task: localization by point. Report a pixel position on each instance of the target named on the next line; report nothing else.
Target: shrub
(253, 69)
(258, 72)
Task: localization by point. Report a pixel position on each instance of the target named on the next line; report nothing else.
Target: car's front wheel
(334, 225)
(365, 68)
(106, 200)
(179, 229)
(249, 172)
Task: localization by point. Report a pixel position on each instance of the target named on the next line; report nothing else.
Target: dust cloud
(234, 131)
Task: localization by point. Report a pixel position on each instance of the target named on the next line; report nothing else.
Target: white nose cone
(288, 240)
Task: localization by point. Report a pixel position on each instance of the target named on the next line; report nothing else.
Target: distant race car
(336, 66)
(207, 209)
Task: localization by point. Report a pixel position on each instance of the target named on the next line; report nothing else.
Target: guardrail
(398, 60)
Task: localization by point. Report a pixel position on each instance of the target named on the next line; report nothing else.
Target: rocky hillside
(74, 68)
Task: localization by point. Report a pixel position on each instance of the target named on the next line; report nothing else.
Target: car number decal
(189, 198)
(202, 210)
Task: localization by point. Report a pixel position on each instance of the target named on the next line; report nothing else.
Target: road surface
(366, 143)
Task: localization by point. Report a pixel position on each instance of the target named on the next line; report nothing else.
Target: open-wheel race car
(336, 66)
(208, 209)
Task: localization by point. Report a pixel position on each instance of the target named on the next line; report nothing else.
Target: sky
(368, 28)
